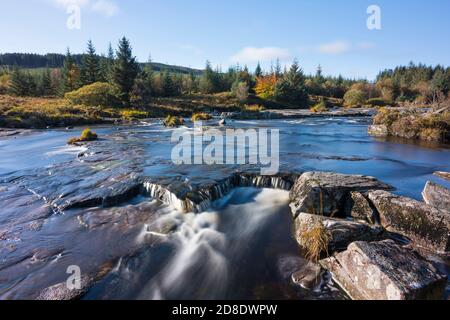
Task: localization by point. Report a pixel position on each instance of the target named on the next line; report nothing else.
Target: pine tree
(18, 83)
(107, 65)
(70, 73)
(142, 89)
(90, 69)
(291, 88)
(125, 70)
(258, 71)
(46, 88)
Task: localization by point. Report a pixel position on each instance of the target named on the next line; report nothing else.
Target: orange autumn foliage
(266, 86)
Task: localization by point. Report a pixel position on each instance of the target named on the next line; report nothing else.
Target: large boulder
(385, 271)
(425, 225)
(437, 196)
(340, 232)
(325, 193)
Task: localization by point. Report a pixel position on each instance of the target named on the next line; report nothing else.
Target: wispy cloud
(107, 8)
(336, 47)
(264, 54)
(339, 47)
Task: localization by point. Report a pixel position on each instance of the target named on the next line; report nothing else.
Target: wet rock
(358, 207)
(61, 292)
(425, 225)
(443, 175)
(341, 232)
(437, 196)
(385, 271)
(378, 130)
(308, 276)
(222, 122)
(325, 193)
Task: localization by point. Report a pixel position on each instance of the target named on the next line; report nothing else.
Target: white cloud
(107, 8)
(336, 47)
(252, 54)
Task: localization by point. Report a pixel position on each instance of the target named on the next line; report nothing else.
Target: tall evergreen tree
(46, 88)
(70, 74)
(125, 70)
(18, 83)
(90, 68)
(258, 71)
(291, 88)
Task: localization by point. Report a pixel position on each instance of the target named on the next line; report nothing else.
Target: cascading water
(233, 250)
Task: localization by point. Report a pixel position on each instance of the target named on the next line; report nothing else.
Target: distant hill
(56, 60)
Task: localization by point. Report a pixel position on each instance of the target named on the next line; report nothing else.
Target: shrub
(86, 136)
(320, 107)
(315, 239)
(173, 121)
(354, 98)
(432, 134)
(240, 91)
(253, 108)
(386, 116)
(134, 114)
(266, 87)
(201, 116)
(376, 102)
(96, 94)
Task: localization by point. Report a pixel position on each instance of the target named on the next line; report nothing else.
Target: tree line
(135, 83)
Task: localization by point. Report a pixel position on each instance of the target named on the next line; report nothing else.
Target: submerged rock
(341, 232)
(325, 193)
(385, 271)
(437, 196)
(61, 292)
(308, 276)
(427, 226)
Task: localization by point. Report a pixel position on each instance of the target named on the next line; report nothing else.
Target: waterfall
(205, 196)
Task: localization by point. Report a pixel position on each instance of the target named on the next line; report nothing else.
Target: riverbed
(140, 248)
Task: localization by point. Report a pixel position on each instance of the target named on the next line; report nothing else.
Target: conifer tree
(90, 69)
(70, 74)
(258, 71)
(291, 87)
(125, 70)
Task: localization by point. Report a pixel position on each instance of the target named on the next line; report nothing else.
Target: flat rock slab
(425, 225)
(437, 196)
(341, 232)
(385, 271)
(443, 175)
(325, 193)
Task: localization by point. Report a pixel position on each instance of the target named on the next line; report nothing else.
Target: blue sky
(327, 32)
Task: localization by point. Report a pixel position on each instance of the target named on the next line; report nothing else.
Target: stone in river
(437, 196)
(325, 193)
(385, 271)
(443, 175)
(308, 276)
(425, 225)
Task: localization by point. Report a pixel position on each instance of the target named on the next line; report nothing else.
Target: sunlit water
(242, 247)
